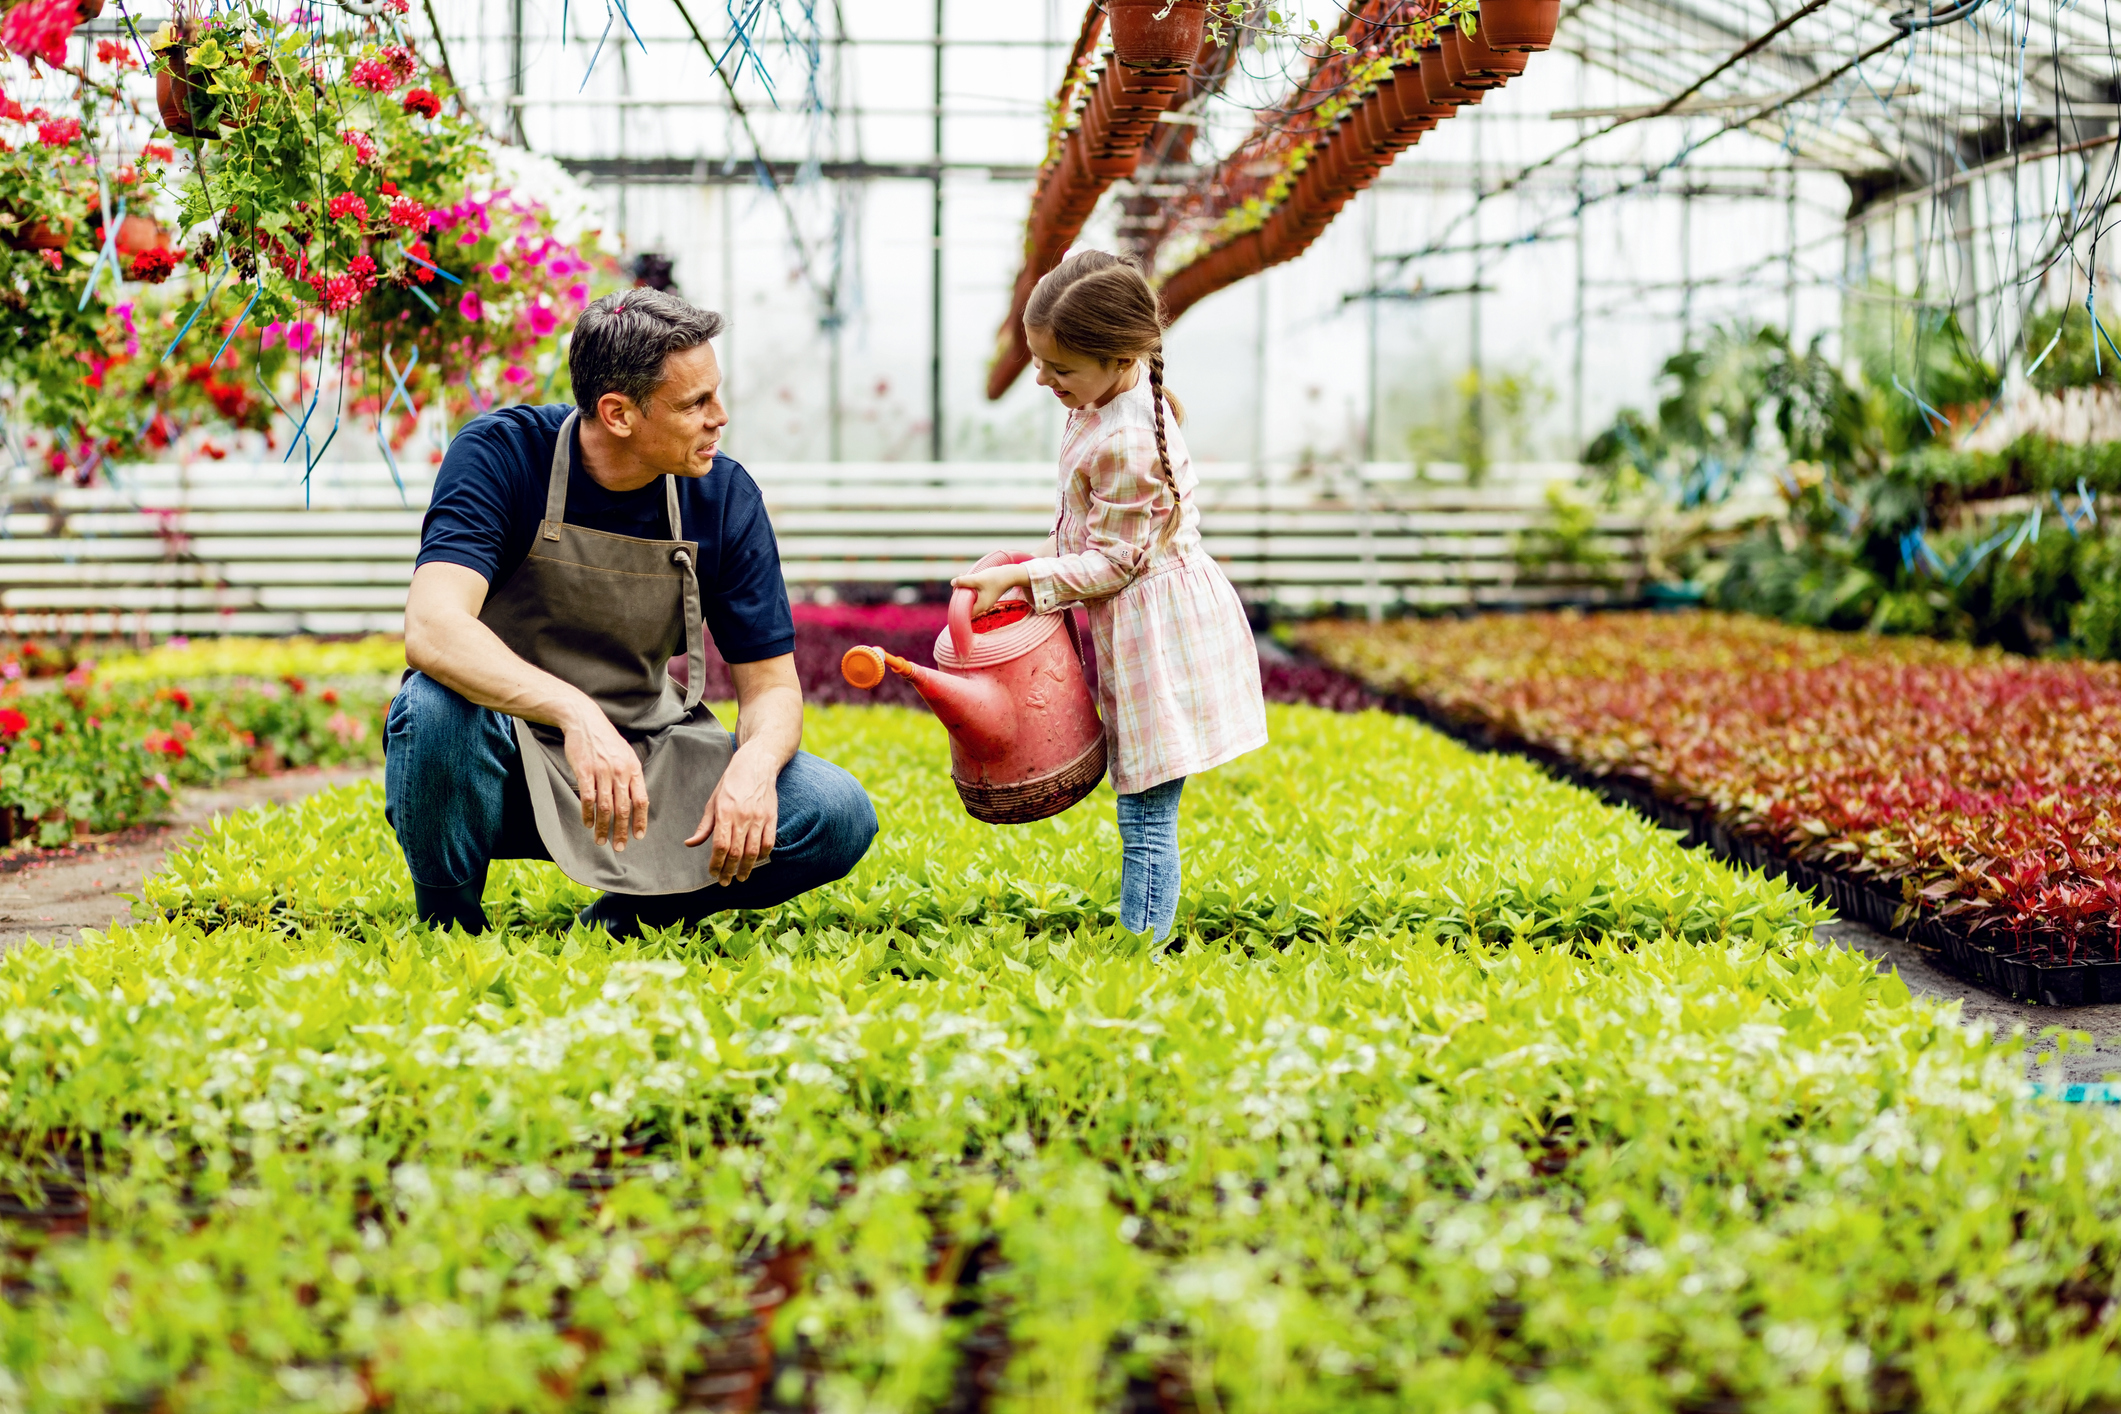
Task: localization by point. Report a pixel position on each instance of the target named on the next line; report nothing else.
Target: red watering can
(1025, 741)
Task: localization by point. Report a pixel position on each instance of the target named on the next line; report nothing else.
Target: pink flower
(406, 212)
(542, 320)
(51, 258)
(347, 204)
(302, 337)
(373, 75)
(471, 306)
(364, 146)
(516, 373)
(500, 272)
(40, 29)
(578, 293)
(271, 335)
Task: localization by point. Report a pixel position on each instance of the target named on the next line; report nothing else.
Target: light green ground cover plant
(1544, 1114)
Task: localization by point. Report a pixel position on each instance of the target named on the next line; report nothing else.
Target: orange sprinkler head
(863, 666)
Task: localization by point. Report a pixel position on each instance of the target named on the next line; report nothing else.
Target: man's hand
(989, 585)
(607, 777)
(741, 817)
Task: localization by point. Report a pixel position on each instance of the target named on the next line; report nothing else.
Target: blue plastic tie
(239, 321)
(2099, 1093)
(211, 291)
(598, 51)
(107, 255)
(426, 266)
(398, 391)
(1943, 422)
(421, 295)
(2034, 367)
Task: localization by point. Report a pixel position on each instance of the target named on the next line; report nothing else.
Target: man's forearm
(467, 657)
(770, 726)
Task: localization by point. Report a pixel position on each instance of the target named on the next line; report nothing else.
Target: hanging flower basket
(1526, 25)
(1482, 57)
(1158, 36)
(1415, 105)
(1437, 85)
(1458, 70)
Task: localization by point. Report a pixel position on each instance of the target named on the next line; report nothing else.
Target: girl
(1178, 679)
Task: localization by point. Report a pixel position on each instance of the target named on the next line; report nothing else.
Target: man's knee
(425, 714)
(837, 822)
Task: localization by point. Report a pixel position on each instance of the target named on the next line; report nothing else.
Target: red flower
(407, 212)
(337, 292)
(364, 146)
(363, 270)
(111, 51)
(159, 151)
(40, 29)
(388, 188)
(12, 723)
(59, 132)
(53, 259)
(295, 685)
(346, 204)
(153, 266)
(422, 102)
(374, 75)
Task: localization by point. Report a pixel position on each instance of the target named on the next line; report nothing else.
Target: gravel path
(53, 894)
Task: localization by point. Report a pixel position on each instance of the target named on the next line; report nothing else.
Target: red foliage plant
(1986, 787)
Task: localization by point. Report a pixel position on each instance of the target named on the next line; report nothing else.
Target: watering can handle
(961, 602)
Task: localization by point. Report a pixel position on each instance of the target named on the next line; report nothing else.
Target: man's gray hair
(621, 340)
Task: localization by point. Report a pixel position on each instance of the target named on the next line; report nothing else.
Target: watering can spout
(977, 712)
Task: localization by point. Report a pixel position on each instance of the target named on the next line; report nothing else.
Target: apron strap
(670, 501)
(695, 638)
(556, 487)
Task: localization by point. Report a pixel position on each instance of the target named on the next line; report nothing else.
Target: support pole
(515, 71)
(1370, 416)
(935, 261)
(1582, 315)
(1789, 260)
(1686, 266)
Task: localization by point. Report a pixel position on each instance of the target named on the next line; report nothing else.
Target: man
(568, 555)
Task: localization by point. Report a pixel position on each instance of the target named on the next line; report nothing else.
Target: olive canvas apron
(606, 613)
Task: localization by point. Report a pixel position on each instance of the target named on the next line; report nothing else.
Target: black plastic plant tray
(1944, 943)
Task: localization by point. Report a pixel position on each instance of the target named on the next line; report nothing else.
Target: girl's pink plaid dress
(1178, 678)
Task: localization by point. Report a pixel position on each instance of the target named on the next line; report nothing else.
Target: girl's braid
(1163, 452)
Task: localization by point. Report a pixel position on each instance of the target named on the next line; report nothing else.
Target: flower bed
(1979, 788)
(104, 748)
(1468, 1090)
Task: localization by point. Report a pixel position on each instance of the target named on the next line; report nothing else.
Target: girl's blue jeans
(1148, 873)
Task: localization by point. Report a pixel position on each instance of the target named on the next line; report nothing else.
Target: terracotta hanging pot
(86, 10)
(1157, 35)
(1526, 25)
(1437, 85)
(137, 234)
(1414, 105)
(1483, 58)
(1456, 68)
(178, 99)
(37, 235)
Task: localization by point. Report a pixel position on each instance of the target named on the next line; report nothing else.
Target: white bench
(241, 548)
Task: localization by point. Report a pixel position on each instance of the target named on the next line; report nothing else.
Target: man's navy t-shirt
(490, 496)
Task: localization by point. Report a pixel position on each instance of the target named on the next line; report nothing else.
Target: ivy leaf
(209, 55)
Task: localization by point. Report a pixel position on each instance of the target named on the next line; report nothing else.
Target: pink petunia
(499, 272)
(471, 306)
(272, 335)
(542, 320)
(302, 337)
(516, 373)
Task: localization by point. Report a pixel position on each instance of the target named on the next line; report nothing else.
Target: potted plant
(1437, 86)
(1526, 25)
(1157, 35)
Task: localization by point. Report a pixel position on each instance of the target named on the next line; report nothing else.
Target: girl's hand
(989, 585)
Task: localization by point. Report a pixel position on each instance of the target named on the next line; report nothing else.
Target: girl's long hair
(1098, 305)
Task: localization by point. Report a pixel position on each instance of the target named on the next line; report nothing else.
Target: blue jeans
(455, 792)
(1148, 869)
